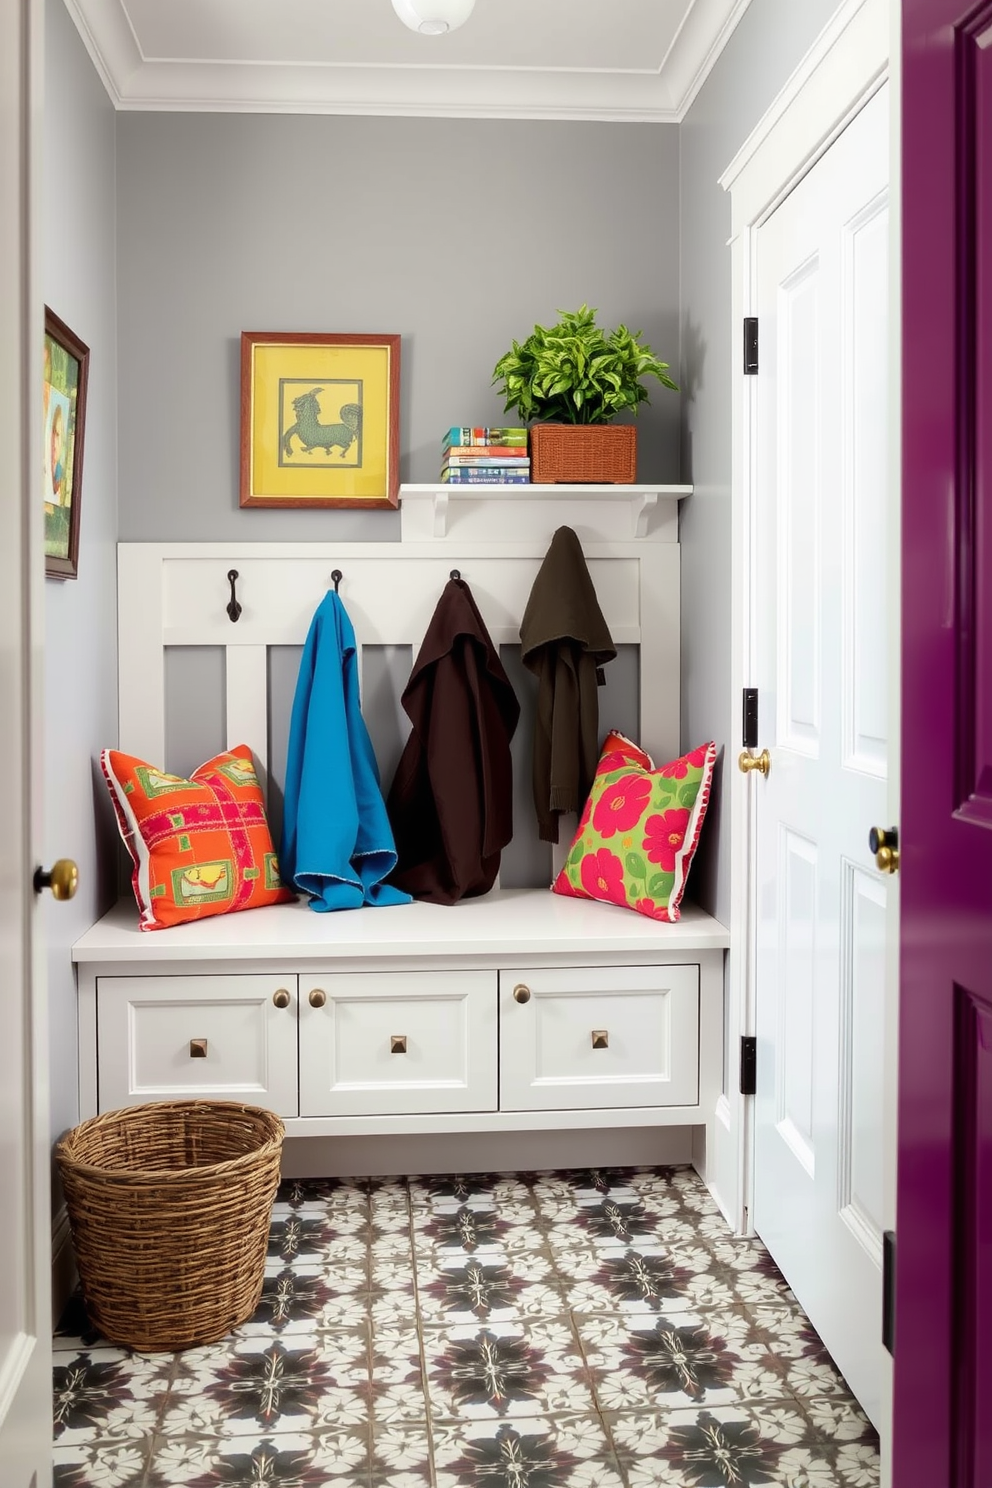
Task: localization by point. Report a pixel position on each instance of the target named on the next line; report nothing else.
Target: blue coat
(337, 844)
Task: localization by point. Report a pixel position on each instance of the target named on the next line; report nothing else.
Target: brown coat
(565, 642)
(451, 801)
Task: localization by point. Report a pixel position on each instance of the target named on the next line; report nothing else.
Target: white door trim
(846, 65)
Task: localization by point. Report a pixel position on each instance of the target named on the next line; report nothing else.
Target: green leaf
(572, 371)
(661, 885)
(636, 866)
(688, 793)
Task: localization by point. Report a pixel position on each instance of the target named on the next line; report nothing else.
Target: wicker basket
(578, 454)
(170, 1205)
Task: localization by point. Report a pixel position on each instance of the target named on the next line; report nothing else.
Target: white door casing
(25, 1234)
(822, 654)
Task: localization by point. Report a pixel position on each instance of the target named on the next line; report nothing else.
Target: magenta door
(943, 1322)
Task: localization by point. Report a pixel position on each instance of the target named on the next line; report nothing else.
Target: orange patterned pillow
(199, 847)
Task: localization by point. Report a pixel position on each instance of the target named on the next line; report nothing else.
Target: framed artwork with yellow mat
(319, 419)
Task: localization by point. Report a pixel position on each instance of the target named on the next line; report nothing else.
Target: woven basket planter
(170, 1205)
(579, 454)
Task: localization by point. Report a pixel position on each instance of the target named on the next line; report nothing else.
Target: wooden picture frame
(319, 419)
(66, 370)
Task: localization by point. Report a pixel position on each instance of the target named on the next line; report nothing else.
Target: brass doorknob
(317, 997)
(746, 762)
(62, 878)
(281, 997)
(884, 843)
(521, 993)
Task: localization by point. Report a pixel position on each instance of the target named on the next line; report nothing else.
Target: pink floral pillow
(639, 829)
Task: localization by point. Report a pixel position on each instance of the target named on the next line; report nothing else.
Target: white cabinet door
(215, 1037)
(599, 1037)
(397, 1042)
(822, 410)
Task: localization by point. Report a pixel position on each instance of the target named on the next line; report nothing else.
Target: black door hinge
(889, 1289)
(749, 722)
(749, 1066)
(750, 345)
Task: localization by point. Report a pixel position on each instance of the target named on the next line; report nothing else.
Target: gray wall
(78, 280)
(766, 47)
(242, 222)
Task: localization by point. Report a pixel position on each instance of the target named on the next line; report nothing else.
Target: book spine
(459, 436)
(473, 462)
(465, 454)
(484, 478)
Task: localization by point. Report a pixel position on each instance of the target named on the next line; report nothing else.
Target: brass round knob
(884, 843)
(521, 993)
(746, 762)
(317, 997)
(281, 998)
(62, 878)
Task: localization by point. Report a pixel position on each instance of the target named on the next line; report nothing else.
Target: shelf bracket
(644, 505)
(440, 513)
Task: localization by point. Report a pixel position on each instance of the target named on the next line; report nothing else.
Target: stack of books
(485, 457)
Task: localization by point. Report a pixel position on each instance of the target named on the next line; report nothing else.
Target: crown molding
(662, 94)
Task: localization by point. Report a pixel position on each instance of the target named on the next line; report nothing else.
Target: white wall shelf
(428, 510)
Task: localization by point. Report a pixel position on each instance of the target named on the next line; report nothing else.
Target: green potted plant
(569, 381)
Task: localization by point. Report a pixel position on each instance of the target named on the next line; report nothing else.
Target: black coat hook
(455, 573)
(233, 608)
(336, 577)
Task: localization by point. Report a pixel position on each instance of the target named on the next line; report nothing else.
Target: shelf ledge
(641, 500)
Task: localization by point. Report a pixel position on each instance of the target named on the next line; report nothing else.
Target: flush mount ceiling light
(433, 17)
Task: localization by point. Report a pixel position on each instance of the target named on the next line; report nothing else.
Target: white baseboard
(485, 1152)
(64, 1273)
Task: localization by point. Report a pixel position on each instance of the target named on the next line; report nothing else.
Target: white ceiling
(633, 60)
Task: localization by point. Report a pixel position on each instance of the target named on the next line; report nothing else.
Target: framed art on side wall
(319, 419)
(66, 364)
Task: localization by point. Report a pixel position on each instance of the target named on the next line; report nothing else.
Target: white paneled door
(822, 655)
(25, 1232)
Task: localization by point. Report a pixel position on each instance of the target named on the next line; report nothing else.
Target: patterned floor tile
(464, 1230)
(709, 1358)
(400, 1446)
(397, 1390)
(646, 1279)
(101, 1464)
(108, 1394)
(491, 1288)
(611, 1221)
(496, 1370)
(308, 1299)
(327, 1459)
(572, 1451)
(726, 1447)
(490, 1190)
(260, 1387)
(445, 1332)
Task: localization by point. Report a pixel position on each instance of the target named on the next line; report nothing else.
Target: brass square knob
(197, 1048)
(397, 1043)
(600, 1038)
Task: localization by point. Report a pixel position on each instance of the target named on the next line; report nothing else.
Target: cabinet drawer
(397, 1042)
(599, 1037)
(218, 1037)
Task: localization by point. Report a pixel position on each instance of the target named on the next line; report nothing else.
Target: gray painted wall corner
(80, 699)
(768, 44)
